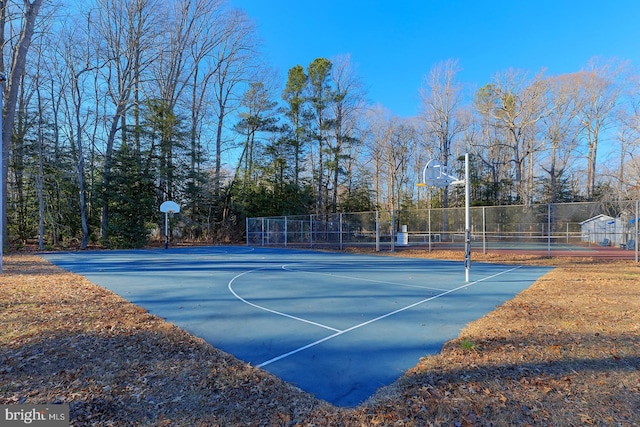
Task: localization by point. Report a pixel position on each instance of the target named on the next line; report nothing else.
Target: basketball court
(337, 325)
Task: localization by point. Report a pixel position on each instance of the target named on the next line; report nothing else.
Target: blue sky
(394, 44)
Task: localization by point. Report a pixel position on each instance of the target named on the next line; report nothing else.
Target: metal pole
(285, 231)
(246, 225)
(429, 229)
(549, 230)
(484, 230)
(467, 219)
(340, 230)
(166, 230)
(636, 222)
(377, 231)
(393, 229)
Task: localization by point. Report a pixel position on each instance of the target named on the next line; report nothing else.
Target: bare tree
(376, 129)
(191, 34)
(347, 105)
(211, 32)
(441, 104)
(320, 96)
(126, 32)
(78, 63)
(601, 92)
(15, 69)
(627, 119)
(560, 131)
(514, 105)
(233, 58)
(391, 146)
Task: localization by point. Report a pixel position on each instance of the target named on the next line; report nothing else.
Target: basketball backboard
(434, 174)
(169, 207)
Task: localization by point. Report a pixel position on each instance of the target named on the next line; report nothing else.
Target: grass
(564, 352)
(468, 345)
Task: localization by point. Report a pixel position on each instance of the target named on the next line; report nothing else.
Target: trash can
(403, 237)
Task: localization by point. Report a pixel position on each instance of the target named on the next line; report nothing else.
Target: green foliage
(562, 192)
(293, 92)
(603, 191)
(468, 345)
(357, 200)
(319, 73)
(163, 148)
(258, 200)
(131, 201)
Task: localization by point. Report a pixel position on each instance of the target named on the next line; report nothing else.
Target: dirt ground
(565, 352)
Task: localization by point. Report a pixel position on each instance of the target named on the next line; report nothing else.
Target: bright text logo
(34, 415)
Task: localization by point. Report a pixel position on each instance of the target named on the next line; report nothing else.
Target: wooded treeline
(124, 104)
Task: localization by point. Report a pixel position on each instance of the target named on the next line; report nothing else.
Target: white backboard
(434, 174)
(169, 207)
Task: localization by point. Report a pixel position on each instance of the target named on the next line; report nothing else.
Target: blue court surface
(337, 325)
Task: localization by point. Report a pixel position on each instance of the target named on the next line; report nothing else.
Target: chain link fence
(552, 227)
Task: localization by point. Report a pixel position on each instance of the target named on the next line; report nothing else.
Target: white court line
(268, 309)
(382, 282)
(338, 333)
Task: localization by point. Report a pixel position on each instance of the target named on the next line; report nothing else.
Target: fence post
(429, 227)
(340, 230)
(246, 225)
(549, 230)
(377, 231)
(484, 230)
(285, 231)
(636, 222)
(311, 231)
(262, 230)
(393, 230)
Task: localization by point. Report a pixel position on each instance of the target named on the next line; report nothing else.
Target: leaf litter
(566, 351)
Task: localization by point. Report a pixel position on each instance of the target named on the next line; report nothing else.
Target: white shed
(603, 229)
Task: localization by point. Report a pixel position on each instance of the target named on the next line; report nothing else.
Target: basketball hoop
(434, 174)
(168, 207)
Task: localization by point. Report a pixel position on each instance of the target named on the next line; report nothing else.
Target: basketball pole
(168, 207)
(166, 230)
(467, 219)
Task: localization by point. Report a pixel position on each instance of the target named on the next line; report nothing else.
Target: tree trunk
(13, 83)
